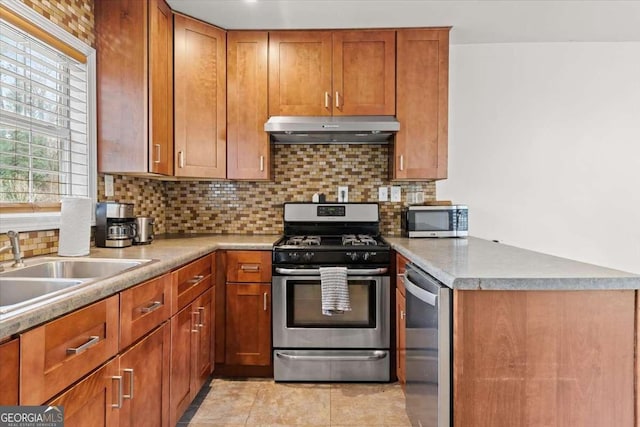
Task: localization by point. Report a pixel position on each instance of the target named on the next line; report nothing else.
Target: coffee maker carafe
(115, 225)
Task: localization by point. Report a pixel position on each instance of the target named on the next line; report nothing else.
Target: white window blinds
(44, 151)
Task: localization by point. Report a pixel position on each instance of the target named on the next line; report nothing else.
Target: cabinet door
(60, 352)
(145, 374)
(300, 73)
(183, 339)
(364, 72)
(94, 401)
(200, 96)
(422, 86)
(122, 85)
(248, 335)
(160, 88)
(202, 354)
(248, 147)
(401, 338)
(9, 372)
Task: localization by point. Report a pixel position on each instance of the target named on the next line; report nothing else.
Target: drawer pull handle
(264, 301)
(196, 279)
(120, 395)
(153, 307)
(326, 100)
(93, 340)
(250, 267)
(402, 314)
(200, 317)
(157, 147)
(261, 163)
(130, 372)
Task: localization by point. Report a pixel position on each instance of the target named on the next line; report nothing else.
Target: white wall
(544, 147)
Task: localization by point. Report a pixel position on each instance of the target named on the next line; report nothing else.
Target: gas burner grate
(358, 240)
(304, 240)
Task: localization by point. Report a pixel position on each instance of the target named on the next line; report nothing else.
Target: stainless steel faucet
(14, 245)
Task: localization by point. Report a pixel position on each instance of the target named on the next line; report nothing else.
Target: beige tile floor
(259, 402)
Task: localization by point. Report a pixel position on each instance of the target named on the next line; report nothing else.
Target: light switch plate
(396, 193)
(108, 185)
(343, 194)
(383, 194)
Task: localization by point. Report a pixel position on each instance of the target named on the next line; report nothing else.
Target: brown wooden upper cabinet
(135, 86)
(248, 147)
(200, 99)
(420, 149)
(323, 73)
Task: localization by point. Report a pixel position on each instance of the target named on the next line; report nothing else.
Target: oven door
(298, 321)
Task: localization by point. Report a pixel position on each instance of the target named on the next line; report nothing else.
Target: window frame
(34, 221)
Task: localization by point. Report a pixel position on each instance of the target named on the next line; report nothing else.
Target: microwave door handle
(316, 272)
(424, 296)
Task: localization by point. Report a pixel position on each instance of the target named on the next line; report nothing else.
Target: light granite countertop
(473, 264)
(167, 253)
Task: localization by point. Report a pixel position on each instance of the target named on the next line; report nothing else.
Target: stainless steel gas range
(311, 346)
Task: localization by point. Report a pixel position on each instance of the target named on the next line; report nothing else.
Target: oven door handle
(316, 272)
(376, 355)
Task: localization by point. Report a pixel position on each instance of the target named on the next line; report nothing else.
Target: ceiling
(480, 21)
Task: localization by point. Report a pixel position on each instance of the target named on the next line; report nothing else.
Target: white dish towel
(335, 291)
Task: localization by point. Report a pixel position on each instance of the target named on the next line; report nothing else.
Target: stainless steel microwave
(435, 221)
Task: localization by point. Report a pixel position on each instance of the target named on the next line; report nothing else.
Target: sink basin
(47, 278)
(14, 291)
(74, 269)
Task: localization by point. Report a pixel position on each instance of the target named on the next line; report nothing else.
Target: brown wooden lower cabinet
(145, 374)
(248, 324)
(60, 352)
(93, 401)
(9, 372)
(190, 352)
(544, 358)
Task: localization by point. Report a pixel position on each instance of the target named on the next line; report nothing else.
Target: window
(47, 116)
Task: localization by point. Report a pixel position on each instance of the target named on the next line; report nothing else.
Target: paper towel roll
(75, 226)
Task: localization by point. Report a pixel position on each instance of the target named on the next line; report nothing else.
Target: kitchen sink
(14, 292)
(74, 269)
(46, 278)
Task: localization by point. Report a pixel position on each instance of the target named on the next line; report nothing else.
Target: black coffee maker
(115, 225)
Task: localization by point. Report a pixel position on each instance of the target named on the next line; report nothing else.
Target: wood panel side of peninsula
(552, 358)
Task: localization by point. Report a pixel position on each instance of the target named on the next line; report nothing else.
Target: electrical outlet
(343, 194)
(396, 193)
(108, 185)
(383, 194)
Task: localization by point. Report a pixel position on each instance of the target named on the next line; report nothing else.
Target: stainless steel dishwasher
(428, 349)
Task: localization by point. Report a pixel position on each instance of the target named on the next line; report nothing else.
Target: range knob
(294, 256)
(307, 256)
(352, 255)
(366, 255)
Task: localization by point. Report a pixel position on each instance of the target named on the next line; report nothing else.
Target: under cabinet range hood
(332, 129)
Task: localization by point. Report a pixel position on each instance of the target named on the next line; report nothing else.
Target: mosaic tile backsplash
(75, 16)
(299, 172)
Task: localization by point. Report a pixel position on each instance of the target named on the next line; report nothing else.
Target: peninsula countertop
(479, 264)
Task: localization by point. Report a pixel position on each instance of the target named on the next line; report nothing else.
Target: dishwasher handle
(423, 295)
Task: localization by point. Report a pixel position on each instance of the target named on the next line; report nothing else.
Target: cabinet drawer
(249, 266)
(189, 282)
(401, 266)
(58, 353)
(144, 307)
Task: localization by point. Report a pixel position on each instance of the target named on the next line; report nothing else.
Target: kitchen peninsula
(537, 339)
